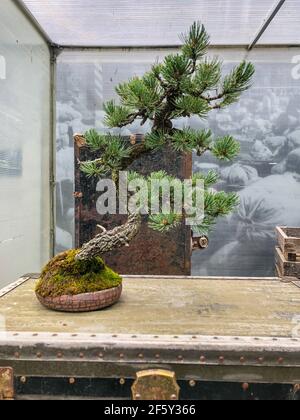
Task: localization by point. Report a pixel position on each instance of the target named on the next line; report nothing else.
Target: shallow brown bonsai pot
(71, 285)
(86, 302)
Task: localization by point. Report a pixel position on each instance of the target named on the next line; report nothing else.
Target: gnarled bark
(113, 239)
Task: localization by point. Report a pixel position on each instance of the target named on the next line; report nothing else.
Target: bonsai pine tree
(184, 84)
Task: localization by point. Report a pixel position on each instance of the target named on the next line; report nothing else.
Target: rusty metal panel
(6, 383)
(150, 253)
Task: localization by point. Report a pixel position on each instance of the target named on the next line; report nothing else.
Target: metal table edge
(12, 286)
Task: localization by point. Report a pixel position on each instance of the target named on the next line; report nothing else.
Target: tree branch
(111, 240)
(212, 98)
(132, 118)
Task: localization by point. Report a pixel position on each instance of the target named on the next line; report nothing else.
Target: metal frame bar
(54, 52)
(6, 290)
(93, 48)
(266, 23)
(52, 157)
(139, 47)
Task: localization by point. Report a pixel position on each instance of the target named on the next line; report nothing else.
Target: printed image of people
(266, 175)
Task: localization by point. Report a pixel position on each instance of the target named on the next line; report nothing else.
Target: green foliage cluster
(216, 204)
(184, 84)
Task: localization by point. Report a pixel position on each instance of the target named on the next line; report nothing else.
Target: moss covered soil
(64, 275)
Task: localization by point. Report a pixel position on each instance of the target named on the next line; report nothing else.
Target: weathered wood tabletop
(169, 306)
(208, 329)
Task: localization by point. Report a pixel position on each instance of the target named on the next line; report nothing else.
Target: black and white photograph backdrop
(266, 175)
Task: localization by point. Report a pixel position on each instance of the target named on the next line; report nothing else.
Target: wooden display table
(229, 332)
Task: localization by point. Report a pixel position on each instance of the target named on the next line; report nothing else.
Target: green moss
(64, 275)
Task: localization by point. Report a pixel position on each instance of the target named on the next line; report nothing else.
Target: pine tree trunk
(113, 239)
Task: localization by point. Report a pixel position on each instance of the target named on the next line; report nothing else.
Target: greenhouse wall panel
(149, 23)
(24, 145)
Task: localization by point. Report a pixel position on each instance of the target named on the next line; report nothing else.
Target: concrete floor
(167, 307)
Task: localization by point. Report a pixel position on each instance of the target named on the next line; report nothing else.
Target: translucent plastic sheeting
(24, 145)
(157, 22)
(266, 122)
(285, 27)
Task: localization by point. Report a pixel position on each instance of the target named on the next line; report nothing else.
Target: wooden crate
(289, 242)
(286, 268)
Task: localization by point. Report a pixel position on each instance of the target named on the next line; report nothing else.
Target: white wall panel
(24, 145)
